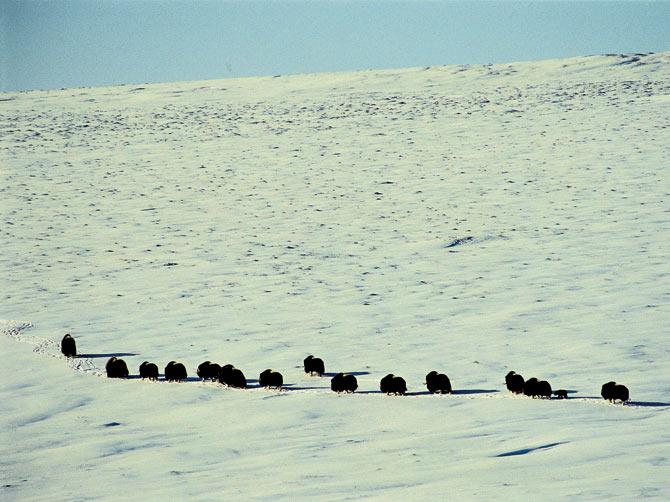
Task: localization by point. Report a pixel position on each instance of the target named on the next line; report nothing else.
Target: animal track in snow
(46, 346)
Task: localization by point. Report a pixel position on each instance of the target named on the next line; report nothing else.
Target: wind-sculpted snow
(466, 219)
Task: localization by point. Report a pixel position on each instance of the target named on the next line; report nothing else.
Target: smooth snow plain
(465, 219)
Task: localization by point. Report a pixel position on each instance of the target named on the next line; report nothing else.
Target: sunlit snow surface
(470, 220)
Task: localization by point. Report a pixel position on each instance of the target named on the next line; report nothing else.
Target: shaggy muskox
(270, 379)
(392, 384)
(175, 372)
(543, 389)
(68, 347)
(149, 371)
(561, 394)
(224, 373)
(343, 383)
(116, 368)
(537, 388)
(514, 382)
(612, 392)
(209, 370)
(314, 366)
(530, 387)
(232, 377)
(438, 383)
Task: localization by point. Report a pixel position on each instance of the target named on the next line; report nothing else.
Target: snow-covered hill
(467, 219)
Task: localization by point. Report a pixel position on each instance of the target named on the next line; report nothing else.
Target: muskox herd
(542, 389)
(531, 387)
(229, 375)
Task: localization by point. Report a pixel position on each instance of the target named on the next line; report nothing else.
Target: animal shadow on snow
(649, 404)
(642, 404)
(355, 373)
(474, 391)
(111, 354)
(292, 387)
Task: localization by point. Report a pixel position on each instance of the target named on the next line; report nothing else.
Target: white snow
(256, 221)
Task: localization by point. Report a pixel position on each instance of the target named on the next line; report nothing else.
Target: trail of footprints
(229, 376)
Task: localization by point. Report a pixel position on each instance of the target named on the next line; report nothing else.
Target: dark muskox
(613, 392)
(237, 379)
(534, 388)
(314, 366)
(116, 368)
(148, 370)
(514, 382)
(344, 383)
(561, 394)
(232, 377)
(68, 347)
(271, 379)
(350, 383)
(385, 384)
(438, 383)
(224, 373)
(544, 389)
(214, 370)
(530, 387)
(175, 372)
(392, 384)
(208, 371)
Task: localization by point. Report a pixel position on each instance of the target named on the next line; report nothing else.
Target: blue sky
(53, 44)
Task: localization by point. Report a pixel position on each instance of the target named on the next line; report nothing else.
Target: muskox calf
(613, 392)
(438, 383)
(514, 382)
(116, 368)
(392, 384)
(561, 394)
(232, 377)
(68, 347)
(314, 366)
(174, 372)
(343, 383)
(271, 379)
(208, 370)
(149, 371)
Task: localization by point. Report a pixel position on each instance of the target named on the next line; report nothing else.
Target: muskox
(271, 379)
(68, 347)
(214, 370)
(438, 383)
(544, 389)
(208, 370)
(149, 371)
(530, 387)
(392, 384)
(612, 392)
(537, 388)
(343, 383)
(561, 394)
(224, 373)
(314, 366)
(514, 382)
(116, 368)
(175, 372)
(232, 377)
